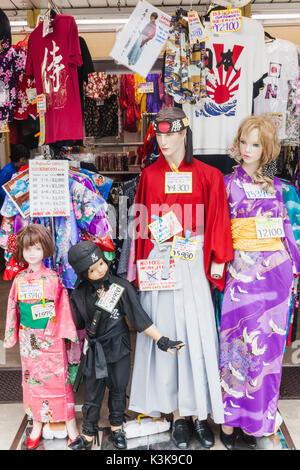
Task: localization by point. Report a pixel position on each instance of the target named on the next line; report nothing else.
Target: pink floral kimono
(47, 391)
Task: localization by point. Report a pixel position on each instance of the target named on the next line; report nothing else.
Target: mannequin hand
(166, 344)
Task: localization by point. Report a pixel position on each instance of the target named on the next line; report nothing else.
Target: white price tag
(196, 29)
(150, 275)
(165, 227)
(226, 21)
(39, 312)
(269, 228)
(184, 249)
(254, 191)
(32, 290)
(178, 182)
(110, 298)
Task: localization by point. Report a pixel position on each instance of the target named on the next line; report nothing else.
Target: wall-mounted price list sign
(49, 188)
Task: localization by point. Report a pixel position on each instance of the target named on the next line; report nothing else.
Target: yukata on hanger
(255, 310)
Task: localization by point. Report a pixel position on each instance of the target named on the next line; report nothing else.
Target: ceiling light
(102, 21)
(18, 23)
(278, 16)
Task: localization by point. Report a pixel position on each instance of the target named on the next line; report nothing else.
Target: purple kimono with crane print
(254, 316)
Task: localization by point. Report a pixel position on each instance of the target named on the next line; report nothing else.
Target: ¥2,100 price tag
(254, 191)
(165, 227)
(32, 290)
(39, 312)
(269, 228)
(184, 249)
(226, 21)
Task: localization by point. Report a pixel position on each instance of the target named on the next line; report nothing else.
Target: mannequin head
(34, 242)
(88, 261)
(256, 146)
(173, 133)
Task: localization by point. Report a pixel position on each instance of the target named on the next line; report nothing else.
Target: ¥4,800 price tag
(184, 249)
(269, 228)
(178, 182)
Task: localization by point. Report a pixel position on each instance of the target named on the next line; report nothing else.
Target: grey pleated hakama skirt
(188, 381)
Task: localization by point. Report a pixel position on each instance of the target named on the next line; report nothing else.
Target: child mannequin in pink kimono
(38, 312)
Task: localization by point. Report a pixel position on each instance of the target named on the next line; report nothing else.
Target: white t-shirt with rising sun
(234, 62)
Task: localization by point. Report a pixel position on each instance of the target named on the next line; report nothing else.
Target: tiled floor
(12, 415)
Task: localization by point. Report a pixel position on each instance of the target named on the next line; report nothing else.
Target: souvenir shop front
(118, 122)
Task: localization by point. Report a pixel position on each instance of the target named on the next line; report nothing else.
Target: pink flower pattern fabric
(47, 390)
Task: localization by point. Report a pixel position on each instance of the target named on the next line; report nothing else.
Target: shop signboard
(141, 41)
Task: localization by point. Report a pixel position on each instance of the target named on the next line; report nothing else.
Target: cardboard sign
(165, 227)
(32, 290)
(110, 298)
(184, 249)
(150, 272)
(269, 228)
(253, 191)
(226, 21)
(39, 312)
(49, 188)
(178, 182)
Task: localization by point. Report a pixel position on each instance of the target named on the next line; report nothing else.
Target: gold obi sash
(244, 237)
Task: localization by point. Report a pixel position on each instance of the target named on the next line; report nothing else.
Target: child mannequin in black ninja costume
(107, 359)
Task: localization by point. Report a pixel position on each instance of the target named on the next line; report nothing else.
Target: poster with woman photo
(139, 44)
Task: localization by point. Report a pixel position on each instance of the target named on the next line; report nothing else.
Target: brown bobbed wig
(267, 132)
(31, 235)
(171, 114)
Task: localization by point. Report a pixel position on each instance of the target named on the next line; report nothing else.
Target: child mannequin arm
(156, 335)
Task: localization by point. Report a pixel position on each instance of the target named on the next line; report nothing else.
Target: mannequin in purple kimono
(258, 287)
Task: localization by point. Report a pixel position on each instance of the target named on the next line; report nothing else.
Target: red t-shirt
(53, 62)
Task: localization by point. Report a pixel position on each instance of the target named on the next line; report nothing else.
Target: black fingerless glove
(165, 343)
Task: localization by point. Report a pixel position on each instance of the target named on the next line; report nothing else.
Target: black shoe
(81, 443)
(250, 441)
(180, 434)
(228, 439)
(204, 433)
(119, 439)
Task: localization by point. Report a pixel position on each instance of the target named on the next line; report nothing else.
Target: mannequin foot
(228, 437)
(82, 442)
(72, 429)
(204, 433)
(118, 437)
(180, 434)
(249, 440)
(35, 435)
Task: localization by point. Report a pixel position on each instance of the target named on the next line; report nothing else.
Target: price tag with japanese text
(109, 299)
(269, 227)
(226, 21)
(197, 31)
(150, 275)
(147, 87)
(39, 311)
(178, 182)
(165, 227)
(254, 191)
(184, 249)
(32, 290)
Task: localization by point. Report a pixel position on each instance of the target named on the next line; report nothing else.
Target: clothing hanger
(217, 7)
(268, 35)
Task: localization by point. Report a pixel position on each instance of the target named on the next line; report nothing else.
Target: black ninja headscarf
(81, 257)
